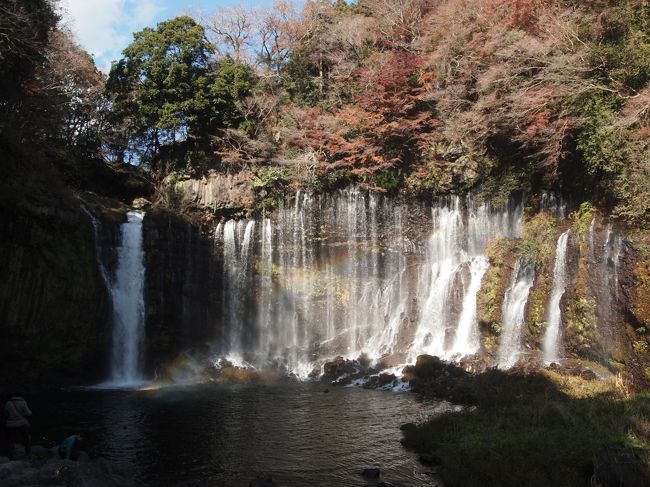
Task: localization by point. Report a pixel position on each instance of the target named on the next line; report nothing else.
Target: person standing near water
(17, 425)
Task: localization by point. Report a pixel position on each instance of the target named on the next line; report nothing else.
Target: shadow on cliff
(541, 429)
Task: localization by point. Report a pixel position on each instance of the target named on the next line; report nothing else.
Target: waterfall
(513, 314)
(237, 238)
(612, 249)
(554, 204)
(467, 334)
(98, 255)
(608, 275)
(128, 305)
(590, 240)
(453, 248)
(445, 257)
(551, 343)
(341, 274)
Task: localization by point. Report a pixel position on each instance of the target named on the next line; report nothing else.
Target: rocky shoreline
(43, 466)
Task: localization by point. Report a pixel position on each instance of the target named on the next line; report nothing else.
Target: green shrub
(601, 142)
(270, 184)
(583, 217)
(388, 179)
(328, 179)
(538, 242)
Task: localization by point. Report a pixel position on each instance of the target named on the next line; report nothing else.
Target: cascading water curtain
(337, 274)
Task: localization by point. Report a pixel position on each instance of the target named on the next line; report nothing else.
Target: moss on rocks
(581, 323)
(536, 311)
(640, 305)
(501, 254)
(538, 242)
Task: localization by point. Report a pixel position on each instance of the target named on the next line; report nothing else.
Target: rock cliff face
(216, 191)
(182, 293)
(54, 308)
(56, 313)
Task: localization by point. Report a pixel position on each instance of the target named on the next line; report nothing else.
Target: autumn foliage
(423, 96)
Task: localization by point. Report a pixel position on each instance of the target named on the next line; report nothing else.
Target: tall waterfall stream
(127, 292)
(551, 344)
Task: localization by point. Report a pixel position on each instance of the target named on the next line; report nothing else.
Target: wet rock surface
(45, 467)
(475, 364)
(341, 371)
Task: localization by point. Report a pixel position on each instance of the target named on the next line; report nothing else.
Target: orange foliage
(497, 72)
(385, 125)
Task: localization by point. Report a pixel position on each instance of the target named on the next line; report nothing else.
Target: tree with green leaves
(166, 90)
(231, 81)
(160, 88)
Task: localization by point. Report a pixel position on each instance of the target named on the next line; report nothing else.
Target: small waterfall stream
(551, 342)
(128, 305)
(611, 256)
(467, 334)
(513, 314)
(100, 264)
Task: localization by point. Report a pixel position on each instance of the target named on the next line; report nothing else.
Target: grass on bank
(540, 430)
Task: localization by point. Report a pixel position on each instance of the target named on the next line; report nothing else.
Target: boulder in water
(385, 379)
(371, 473)
(342, 371)
(430, 460)
(378, 381)
(315, 373)
(429, 368)
(475, 364)
(262, 480)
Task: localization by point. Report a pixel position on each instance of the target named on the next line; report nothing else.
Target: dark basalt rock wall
(182, 290)
(54, 308)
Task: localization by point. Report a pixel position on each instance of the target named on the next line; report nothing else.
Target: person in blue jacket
(69, 448)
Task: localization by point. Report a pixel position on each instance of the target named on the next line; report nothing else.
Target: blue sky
(104, 27)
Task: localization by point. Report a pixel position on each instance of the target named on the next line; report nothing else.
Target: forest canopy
(420, 96)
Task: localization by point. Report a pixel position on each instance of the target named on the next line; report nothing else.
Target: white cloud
(104, 27)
